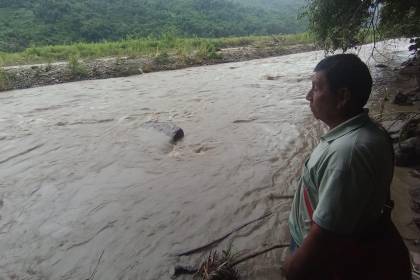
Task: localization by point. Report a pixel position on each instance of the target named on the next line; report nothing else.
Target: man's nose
(309, 95)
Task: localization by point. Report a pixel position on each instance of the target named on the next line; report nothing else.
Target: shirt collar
(347, 126)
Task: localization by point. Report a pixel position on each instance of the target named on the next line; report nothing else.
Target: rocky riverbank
(27, 76)
(399, 113)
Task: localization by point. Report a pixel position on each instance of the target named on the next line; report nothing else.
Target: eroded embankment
(27, 76)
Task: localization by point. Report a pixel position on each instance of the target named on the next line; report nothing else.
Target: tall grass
(149, 47)
(76, 68)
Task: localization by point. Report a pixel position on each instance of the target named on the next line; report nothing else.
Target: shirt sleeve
(343, 196)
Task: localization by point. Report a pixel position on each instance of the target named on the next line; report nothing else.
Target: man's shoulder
(369, 139)
(370, 134)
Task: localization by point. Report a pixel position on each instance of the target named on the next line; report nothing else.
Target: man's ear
(344, 97)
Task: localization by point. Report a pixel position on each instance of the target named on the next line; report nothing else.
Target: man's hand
(317, 255)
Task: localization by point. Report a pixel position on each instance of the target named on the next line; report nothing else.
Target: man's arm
(314, 258)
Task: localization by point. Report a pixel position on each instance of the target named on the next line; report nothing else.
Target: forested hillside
(286, 5)
(40, 22)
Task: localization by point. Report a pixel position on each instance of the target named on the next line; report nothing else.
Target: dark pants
(384, 257)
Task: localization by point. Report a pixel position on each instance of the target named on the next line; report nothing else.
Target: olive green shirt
(345, 182)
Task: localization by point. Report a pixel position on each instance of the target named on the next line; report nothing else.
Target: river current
(87, 191)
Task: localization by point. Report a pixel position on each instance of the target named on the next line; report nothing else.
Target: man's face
(323, 101)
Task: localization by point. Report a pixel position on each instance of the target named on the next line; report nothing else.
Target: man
(340, 219)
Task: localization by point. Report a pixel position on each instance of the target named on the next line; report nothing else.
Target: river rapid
(87, 191)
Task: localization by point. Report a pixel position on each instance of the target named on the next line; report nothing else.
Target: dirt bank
(396, 105)
(20, 77)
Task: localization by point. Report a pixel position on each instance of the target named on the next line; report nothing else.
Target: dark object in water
(170, 129)
(380, 65)
(181, 270)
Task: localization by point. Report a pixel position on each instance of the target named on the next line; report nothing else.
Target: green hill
(43, 22)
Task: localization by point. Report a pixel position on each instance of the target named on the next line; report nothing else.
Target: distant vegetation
(153, 47)
(27, 23)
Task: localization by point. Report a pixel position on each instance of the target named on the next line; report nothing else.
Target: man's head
(340, 89)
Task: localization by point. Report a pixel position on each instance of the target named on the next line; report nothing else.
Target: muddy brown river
(88, 192)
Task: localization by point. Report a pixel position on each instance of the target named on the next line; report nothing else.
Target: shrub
(208, 50)
(162, 58)
(77, 69)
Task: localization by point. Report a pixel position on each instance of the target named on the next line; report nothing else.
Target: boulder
(407, 152)
(393, 126)
(415, 198)
(402, 99)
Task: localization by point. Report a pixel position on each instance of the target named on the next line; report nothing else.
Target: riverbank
(53, 65)
(397, 107)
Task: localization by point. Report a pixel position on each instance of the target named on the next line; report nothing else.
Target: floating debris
(218, 267)
(221, 266)
(218, 240)
(170, 129)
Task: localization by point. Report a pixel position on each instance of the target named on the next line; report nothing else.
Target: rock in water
(170, 129)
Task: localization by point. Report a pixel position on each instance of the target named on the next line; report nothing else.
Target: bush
(76, 68)
(162, 58)
(208, 50)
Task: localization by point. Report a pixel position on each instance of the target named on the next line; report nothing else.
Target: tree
(401, 18)
(341, 24)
